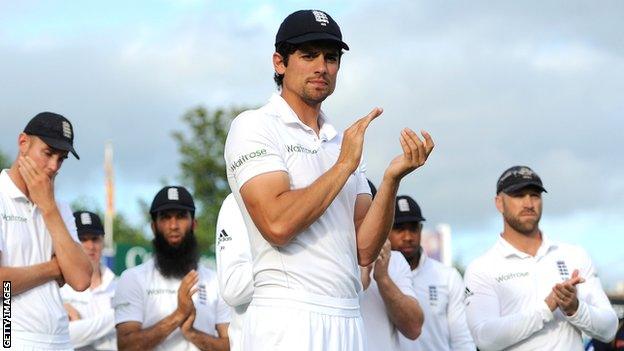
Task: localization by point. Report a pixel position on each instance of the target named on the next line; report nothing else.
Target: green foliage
(202, 166)
(4, 160)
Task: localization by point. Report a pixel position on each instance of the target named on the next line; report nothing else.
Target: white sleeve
(128, 301)
(233, 254)
(251, 148)
(489, 329)
(400, 273)
(456, 314)
(362, 186)
(85, 332)
(594, 316)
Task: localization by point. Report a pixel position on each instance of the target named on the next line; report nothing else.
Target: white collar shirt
(234, 266)
(144, 295)
(25, 241)
(381, 333)
(322, 259)
(95, 330)
(505, 305)
(440, 291)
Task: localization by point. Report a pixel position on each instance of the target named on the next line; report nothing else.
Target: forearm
(598, 322)
(28, 277)
(403, 310)
(72, 260)
(281, 218)
(374, 229)
(208, 342)
(497, 333)
(148, 339)
(86, 331)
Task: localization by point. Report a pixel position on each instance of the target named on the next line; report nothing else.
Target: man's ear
(23, 142)
(498, 202)
(278, 63)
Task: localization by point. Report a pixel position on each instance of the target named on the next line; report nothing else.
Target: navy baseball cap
(309, 25)
(88, 223)
(55, 130)
(172, 198)
(407, 210)
(517, 178)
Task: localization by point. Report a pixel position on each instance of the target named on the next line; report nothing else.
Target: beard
(175, 261)
(523, 227)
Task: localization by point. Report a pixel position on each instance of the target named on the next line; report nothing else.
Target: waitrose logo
(301, 149)
(508, 276)
(12, 218)
(246, 157)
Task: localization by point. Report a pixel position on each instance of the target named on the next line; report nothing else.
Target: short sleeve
(362, 186)
(251, 148)
(128, 299)
(400, 273)
(70, 222)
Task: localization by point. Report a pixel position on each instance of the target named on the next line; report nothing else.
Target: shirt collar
(288, 116)
(508, 250)
(10, 188)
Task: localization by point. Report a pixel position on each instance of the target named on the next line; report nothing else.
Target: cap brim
(90, 232)
(408, 219)
(317, 36)
(172, 206)
(516, 187)
(59, 144)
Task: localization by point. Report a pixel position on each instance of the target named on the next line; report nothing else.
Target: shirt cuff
(545, 312)
(578, 315)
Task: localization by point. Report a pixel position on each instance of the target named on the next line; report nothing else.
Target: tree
(4, 160)
(203, 167)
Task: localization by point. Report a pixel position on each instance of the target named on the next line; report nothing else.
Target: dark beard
(175, 262)
(525, 228)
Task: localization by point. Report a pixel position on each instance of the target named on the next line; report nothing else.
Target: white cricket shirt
(381, 334)
(95, 330)
(234, 266)
(143, 295)
(322, 259)
(440, 291)
(505, 305)
(25, 241)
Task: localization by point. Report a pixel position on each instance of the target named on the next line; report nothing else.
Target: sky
(497, 84)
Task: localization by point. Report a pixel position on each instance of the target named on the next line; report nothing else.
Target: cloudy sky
(497, 83)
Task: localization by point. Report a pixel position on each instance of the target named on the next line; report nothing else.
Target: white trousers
(287, 321)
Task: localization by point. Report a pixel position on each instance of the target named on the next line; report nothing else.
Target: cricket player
(234, 266)
(439, 289)
(91, 314)
(305, 199)
(529, 292)
(171, 302)
(388, 301)
(39, 249)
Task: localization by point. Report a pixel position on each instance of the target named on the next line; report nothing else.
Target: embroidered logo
(12, 218)
(85, 219)
(223, 236)
(508, 276)
(468, 293)
(246, 157)
(403, 205)
(301, 149)
(563, 270)
(433, 295)
(67, 132)
(203, 296)
(320, 17)
(172, 194)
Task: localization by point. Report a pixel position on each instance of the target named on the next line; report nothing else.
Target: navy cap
(172, 198)
(55, 130)
(407, 210)
(516, 178)
(88, 223)
(309, 25)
